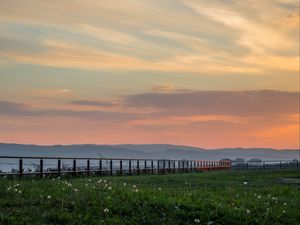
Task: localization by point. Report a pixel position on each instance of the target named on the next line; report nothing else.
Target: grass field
(270, 197)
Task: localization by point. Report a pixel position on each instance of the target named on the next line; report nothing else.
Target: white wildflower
(248, 211)
(106, 210)
(49, 196)
(245, 182)
(197, 221)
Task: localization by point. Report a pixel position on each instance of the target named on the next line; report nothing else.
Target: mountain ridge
(146, 151)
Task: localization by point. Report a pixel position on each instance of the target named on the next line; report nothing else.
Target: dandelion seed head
(106, 210)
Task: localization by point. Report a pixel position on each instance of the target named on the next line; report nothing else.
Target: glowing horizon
(210, 74)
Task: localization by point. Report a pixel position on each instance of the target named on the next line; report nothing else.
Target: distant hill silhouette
(146, 151)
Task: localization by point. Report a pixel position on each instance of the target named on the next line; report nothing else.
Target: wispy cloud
(190, 104)
(104, 103)
(209, 36)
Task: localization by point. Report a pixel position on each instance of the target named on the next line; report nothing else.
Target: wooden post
(169, 170)
(164, 166)
(88, 167)
(21, 167)
(41, 168)
(74, 167)
(59, 167)
(138, 167)
(145, 166)
(174, 167)
(111, 168)
(152, 167)
(179, 167)
(121, 167)
(158, 166)
(280, 164)
(187, 166)
(129, 167)
(100, 167)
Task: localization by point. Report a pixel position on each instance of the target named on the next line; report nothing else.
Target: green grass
(199, 198)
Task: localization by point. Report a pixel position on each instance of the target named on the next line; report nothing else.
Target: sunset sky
(209, 73)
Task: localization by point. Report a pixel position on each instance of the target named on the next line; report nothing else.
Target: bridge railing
(43, 166)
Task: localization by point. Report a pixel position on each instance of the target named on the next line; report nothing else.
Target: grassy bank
(270, 197)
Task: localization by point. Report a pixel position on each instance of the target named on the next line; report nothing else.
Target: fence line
(21, 166)
(44, 166)
(265, 165)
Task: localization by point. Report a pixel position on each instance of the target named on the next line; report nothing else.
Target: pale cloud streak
(133, 35)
